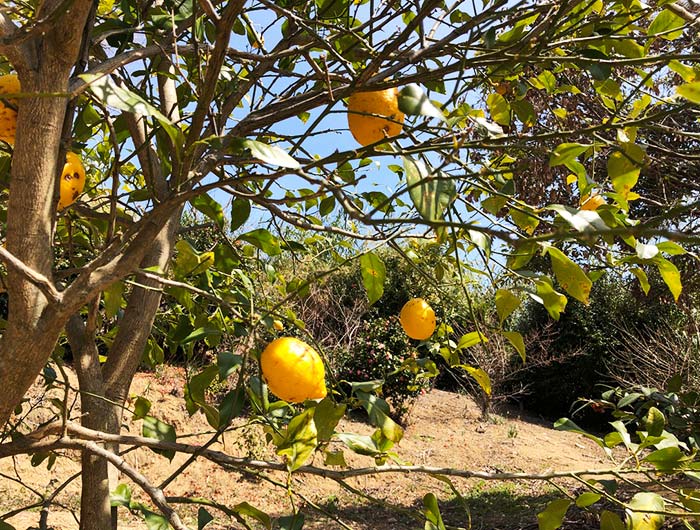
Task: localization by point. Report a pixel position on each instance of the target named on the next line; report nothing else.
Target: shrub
(379, 352)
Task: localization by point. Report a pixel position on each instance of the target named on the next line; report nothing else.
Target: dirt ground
(444, 430)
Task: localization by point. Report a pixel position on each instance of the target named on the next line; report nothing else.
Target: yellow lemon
(293, 370)
(369, 129)
(9, 84)
(417, 319)
(72, 180)
(592, 203)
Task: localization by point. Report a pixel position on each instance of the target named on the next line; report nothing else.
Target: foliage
(381, 352)
(580, 350)
(523, 109)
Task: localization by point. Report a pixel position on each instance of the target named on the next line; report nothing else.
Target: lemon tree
(287, 130)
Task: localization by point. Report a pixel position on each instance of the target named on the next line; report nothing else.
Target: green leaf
(373, 276)
(231, 406)
(566, 152)
(498, 108)
(599, 70)
(471, 339)
(248, 510)
(264, 240)
(666, 25)
(113, 95)
(671, 276)
(570, 276)
(642, 277)
(611, 521)
(624, 167)
(587, 498)
(113, 299)
(378, 412)
(671, 248)
(326, 418)
(565, 424)
(240, 212)
(414, 102)
(553, 515)
(645, 501)
(690, 91)
(526, 222)
(584, 221)
(359, 443)
(155, 521)
(334, 458)
(142, 407)
(6, 526)
(553, 301)
(654, 422)
(121, 496)
(433, 518)
(209, 207)
(203, 518)
(506, 303)
(516, 339)
(270, 154)
(154, 428)
(430, 193)
(481, 377)
(299, 440)
(291, 522)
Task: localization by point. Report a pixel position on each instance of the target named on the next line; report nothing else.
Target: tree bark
(44, 62)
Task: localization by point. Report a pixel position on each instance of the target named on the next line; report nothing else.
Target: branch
(117, 461)
(45, 285)
(218, 457)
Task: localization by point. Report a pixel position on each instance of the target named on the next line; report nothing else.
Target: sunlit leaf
(430, 192)
(270, 154)
(666, 25)
(506, 303)
(498, 108)
(299, 440)
(413, 101)
(611, 521)
(516, 339)
(570, 275)
(552, 517)
(566, 152)
(373, 276)
(553, 301)
(671, 276)
(641, 502)
(209, 207)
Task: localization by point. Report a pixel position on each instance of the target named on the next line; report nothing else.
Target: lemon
(592, 202)
(72, 180)
(9, 84)
(367, 129)
(417, 319)
(293, 370)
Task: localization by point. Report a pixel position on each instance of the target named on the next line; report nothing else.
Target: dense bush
(379, 352)
(581, 349)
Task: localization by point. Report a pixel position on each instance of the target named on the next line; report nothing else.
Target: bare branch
(45, 285)
(117, 461)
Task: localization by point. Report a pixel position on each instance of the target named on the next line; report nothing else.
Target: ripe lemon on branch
(9, 84)
(72, 180)
(293, 370)
(417, 319)
(374, 116)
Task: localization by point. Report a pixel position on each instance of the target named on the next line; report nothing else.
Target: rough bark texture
(44, 63)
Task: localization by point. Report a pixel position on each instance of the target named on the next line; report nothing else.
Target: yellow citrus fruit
(293, 370)
(592, 203)
(417, 319)
(369, 129)
(72, 180)
(277, 325)
(9, 84)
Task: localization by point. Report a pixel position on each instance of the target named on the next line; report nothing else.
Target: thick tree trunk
(44, 63)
